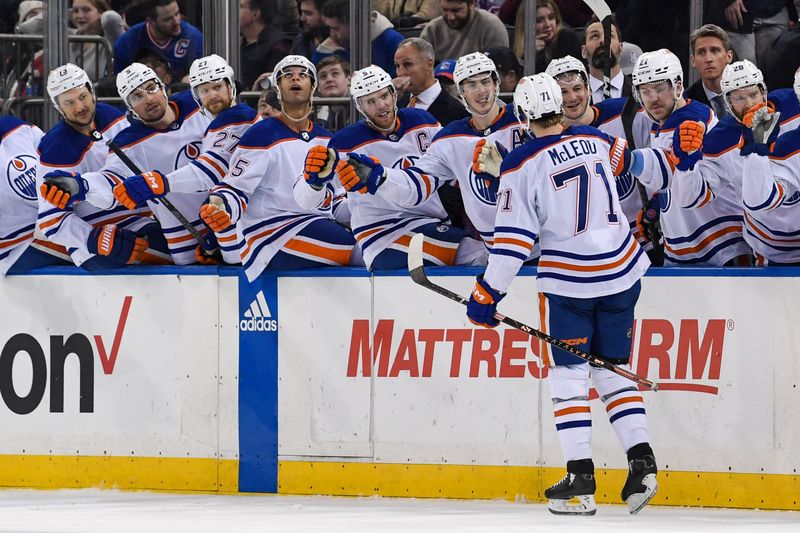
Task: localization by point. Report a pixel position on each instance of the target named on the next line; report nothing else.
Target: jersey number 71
(582, 176)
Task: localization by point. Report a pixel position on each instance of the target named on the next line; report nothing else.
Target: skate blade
(637, 501)
(579, 505)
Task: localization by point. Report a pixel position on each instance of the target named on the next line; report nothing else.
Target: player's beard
(601, 60)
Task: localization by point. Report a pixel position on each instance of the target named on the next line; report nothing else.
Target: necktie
(719, 106)
(412, 101)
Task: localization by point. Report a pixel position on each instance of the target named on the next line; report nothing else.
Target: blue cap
(445, 69)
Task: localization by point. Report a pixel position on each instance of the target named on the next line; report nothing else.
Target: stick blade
(415, 266)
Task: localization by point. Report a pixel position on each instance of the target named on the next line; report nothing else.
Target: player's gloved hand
(136, 190)
(487, 158)
(319, 167)
(62, 189)
(686, 143)
(483, 304)
(647, 218)
(117, 243)
(361, 173)
(216, 213)
(762, 129)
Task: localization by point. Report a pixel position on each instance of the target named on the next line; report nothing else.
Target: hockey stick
(98, 137)
(417, 272)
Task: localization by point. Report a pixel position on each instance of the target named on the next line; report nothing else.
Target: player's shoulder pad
(456, 128)
(722, 137)
(786, 145)
(9, 124)
(350, 137)
(785, 101)
(411, 117)
(62, 146)
(186, 104)
(238, 114)
(693, 110)
(608, 110)
(105, 115)
(509, 118)
(522, 153)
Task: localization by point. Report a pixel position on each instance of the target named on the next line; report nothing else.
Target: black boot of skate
(641, 485)
(575, 493)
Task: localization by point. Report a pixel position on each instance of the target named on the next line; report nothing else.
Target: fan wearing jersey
(454, 152)
(93, 237)
(20, 251)
(557, 188)
(706, 236)
(214, 90)
(257, 195)
(571, 75)
(771, 186)
(165, 134)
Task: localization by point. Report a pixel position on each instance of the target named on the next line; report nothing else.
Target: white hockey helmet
(797, 83)
(294, 61)
(65, 78)
(210, 68)
(566, 64)
(739, 75)
(367, 81)
(132, 77)
(471, 65)
(537, 96)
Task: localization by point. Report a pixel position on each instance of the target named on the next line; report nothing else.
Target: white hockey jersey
(18, 157)
(560, 189)
(785, 101)
(259, 191)
(378, 220)
(771, 197)
(449, 160)
(163, 150)
(65, 148)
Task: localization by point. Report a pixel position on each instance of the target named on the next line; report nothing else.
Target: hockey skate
(572, 495)
(641, 485)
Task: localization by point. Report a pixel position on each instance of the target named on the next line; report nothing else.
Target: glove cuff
(485, 291)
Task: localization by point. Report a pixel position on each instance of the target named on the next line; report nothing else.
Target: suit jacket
(696, 92)
(444, 108)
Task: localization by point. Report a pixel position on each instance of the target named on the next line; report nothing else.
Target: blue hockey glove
(361, 173)
(116, 243)
(62, 189)
(136, 190)
(483, 304)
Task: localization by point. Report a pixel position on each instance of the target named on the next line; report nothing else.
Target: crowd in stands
(417, 44)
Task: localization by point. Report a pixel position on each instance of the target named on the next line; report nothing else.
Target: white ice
(108, 511)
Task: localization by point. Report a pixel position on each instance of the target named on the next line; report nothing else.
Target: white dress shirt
(424, 99)
(597, 87)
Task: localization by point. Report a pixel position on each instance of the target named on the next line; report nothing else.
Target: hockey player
(557, 188)
(455, 148)
(166, 134)
(20, 250)
(276, 232)
(706, 236)
(214, 90)
(771, 187)
(67, 152)
(398, 138)
(785, 101)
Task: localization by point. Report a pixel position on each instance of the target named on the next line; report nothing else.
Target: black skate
(641, 485)
(575, 493)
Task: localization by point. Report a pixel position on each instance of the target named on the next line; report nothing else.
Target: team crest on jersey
(793, 199)
(664, 200)
(181, 47)
(483, 191)
(406, 162)
(187, 154)
(21, 175)
(625, 185)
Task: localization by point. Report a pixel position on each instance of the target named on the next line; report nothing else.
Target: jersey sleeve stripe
(704, 243)
(510, 253)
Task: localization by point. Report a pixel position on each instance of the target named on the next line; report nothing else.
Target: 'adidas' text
(258, 317)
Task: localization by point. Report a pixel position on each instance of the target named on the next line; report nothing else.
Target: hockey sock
(624, 407)
(569, 389)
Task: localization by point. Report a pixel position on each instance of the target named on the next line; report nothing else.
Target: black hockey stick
(98, 137)
(417, 271)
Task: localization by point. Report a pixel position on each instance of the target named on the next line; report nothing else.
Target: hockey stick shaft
(188, 226)
(417, 272)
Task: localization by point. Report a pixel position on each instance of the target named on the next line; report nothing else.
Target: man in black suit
(711, 51)
(417, 85)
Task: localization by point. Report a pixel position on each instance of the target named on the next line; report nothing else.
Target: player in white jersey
(706, 236)
(558, 188)
(69, 223)
(397, 138)
(257, 196)
(771, 186)
(214, 90)
(454, 149)
(786, 102)
(607, 116)
(19, 249)
(166, 134)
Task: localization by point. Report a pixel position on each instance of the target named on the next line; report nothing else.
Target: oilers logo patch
(625, 185)
(187, 154)
(792, 200)
(406, 162)
(21, 175)
(483, 191)
(664, 200)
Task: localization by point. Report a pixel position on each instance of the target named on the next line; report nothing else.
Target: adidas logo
(258, 317)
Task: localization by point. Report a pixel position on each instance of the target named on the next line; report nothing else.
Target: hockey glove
(647, 220)
(763, 128)
(320, 164)
(62, 189)
(686, 143)
(486, 161)
(216, 213)
(137, 190)
(116, 243)
(483, 304)
(361, 173)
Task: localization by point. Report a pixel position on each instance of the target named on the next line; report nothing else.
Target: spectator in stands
(575, 13)
(782, 60)
(333, 74)
(444, 73)
(553, 39)
(408, 13)
(157, 62)
(263, 44)
(313, 29)
(30, 19)
(94, 17)
(164, 31)
(416, 85)
(508, 67)
(463, 28)
(268, 104)
(596, 55)
(287, 15)
(336, 15)
(752, 25)
(711, 51)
